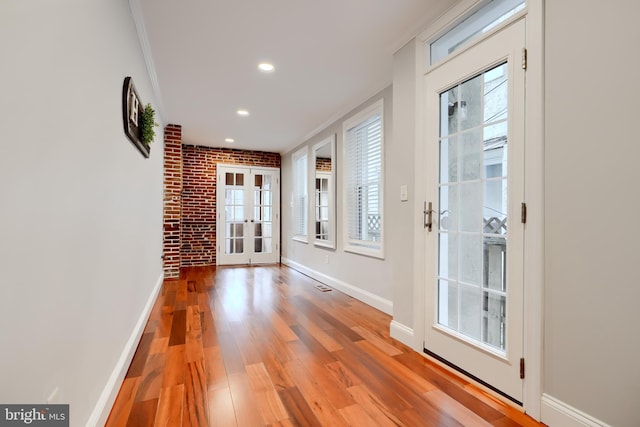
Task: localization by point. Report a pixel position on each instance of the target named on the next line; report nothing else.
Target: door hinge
(522, 368)
(523, 213)
(524, 58)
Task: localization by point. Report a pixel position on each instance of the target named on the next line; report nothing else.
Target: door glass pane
(229, 178)
(471, 257)
(267, 229)
(234, 212)
(449, 207)
(470, 311)
(448, 255)
(470, 104)
(448, 302)
(495, 150)
(473, 208)
(448, 160)
(493, 317)
(471, 155)
(495, 261)
(495, 82)
(262, 212)
(449, 103)
(470, 207)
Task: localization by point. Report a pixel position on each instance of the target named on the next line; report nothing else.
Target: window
(363, 182)
(300, 203)
(489, 15)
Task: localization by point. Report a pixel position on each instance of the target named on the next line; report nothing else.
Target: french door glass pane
(262, 208)
(473, 208)
(448, 160)
(449, 207)
(471, 98)
(448, 255)
(471, 155)
(470, 311)
(234, 213)
(448, 303)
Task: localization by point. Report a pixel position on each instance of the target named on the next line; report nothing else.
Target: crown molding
(136, 11)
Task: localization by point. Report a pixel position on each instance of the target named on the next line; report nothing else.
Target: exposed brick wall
(323, 164)
(172, 205)
(198, 236)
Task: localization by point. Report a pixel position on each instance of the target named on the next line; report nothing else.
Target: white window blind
(363, 182)
(300, 196)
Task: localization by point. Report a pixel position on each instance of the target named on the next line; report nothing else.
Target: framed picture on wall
(132, 110)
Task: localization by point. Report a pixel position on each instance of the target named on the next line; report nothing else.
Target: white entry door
(475, 144)
(248, 212)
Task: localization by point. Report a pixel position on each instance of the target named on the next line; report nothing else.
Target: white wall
(592, 290)
(368, 279)
(80, 208)
(401, 171)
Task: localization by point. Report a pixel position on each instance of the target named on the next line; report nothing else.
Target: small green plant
(147, 123)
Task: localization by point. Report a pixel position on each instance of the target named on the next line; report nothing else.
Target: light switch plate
(404, 193)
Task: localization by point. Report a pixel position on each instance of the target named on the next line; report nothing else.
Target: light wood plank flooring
(261, 346)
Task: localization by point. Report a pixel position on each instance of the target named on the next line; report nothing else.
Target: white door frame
(534, 189)
(220, 206)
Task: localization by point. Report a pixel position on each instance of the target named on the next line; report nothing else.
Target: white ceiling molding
(136, 11)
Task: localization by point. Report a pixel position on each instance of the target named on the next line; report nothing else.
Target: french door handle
(428, 216)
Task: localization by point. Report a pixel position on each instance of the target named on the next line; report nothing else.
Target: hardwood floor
(261, 346)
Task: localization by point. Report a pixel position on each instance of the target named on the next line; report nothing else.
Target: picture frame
(132, 108)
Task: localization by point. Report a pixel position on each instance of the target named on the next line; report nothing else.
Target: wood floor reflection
(261, 346)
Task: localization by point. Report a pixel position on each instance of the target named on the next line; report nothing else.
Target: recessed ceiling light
(266, 67)
(229, 140)
(242, 112)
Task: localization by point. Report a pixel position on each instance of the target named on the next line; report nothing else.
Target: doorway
(475, 248)
(248, 215)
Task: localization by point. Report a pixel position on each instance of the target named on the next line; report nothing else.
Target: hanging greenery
(147, 123)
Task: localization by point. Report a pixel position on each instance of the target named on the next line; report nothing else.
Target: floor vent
(323, 288)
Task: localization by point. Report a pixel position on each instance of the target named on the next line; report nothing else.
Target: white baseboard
(108, 396)
(556, 413)
(402, 333)
(367, 297)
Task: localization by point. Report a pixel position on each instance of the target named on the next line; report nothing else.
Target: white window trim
(349, 245)
(304, 238)
(332, 241)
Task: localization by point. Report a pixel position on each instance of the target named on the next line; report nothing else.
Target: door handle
(428, 216)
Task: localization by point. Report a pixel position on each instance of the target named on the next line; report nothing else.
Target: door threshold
(502, 396)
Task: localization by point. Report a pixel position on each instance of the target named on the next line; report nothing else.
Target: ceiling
(329, 57)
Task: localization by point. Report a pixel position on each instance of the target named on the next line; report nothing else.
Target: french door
(248, 213)
(475, 249)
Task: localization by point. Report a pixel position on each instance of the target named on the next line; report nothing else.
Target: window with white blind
(300, 195)
(363, 182)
